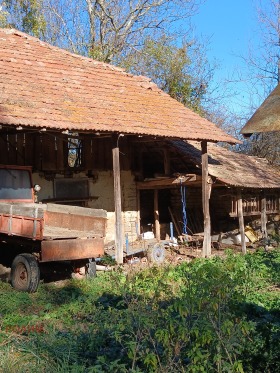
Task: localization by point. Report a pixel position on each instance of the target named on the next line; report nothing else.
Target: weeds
(217, 315)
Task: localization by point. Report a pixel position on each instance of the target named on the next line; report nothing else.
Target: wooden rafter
(167, 182)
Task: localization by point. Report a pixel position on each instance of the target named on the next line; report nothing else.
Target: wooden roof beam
(168, 182)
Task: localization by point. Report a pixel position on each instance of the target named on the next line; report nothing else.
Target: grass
(217, 315)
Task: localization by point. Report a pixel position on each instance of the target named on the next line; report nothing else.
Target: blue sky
(231, 25)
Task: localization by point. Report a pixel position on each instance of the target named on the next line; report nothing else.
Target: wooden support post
(241, 222)
(140, 164)
(167, 169)
(206, 251)
(156, 215)
(138, 230)
(263, 215)
(118, 207)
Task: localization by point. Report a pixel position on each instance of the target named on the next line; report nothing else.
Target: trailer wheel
(25, 273)
(156, 253)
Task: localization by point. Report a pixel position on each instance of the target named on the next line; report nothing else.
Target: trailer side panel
(72, 249)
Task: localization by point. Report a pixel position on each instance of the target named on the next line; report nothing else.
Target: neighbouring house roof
(43, 86)
(231, 168)
(267, 116)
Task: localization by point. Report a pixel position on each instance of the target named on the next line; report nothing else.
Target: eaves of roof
(267, 116)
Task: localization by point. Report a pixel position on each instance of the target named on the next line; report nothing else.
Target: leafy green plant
(210, 315)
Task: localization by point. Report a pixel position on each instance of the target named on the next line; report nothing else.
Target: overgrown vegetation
(217, 315)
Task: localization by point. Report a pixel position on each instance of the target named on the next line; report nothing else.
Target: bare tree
(264, 62)
(179, 68)
(260, 71)
(116, 24)
(264, 145)
(260, 76)
(25, 15)
(102, 29)
(67, 25)
(147, 37)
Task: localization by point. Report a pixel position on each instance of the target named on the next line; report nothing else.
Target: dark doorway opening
(147, 211)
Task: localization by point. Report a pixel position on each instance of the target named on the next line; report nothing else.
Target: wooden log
(241, 222)
(118, 207)
(206, 250)
(156, 215)
(263, 216)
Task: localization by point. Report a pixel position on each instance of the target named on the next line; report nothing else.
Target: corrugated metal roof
(234, 169)
(46, 87)
(267, 117)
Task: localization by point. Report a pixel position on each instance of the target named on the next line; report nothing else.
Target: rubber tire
(25, 273)
(156, 254)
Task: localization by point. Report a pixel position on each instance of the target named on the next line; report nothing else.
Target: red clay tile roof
(267, 117)
(46, 87)
(234, 169)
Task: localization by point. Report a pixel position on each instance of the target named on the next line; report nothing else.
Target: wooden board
(51, 221)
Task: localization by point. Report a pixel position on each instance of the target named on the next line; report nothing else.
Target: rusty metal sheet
(21, 226)
(93, 226)
(57, 250)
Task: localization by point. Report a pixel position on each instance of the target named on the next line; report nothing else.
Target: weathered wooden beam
(82, 199)
(156, 215)
(206, 190)
(167, 182)
(263, 215)
(118, 206)
(166, 159)
(138, 227)
(241, 221)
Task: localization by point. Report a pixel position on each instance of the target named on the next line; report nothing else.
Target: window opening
(74, 151)
(15, 184)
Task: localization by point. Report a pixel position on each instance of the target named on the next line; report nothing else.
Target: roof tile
(231, 168)
(44, 86)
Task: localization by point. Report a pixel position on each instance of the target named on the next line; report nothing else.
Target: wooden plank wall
(17, 149)
(48, 151)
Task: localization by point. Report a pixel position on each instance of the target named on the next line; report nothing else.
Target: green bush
(210, 315)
